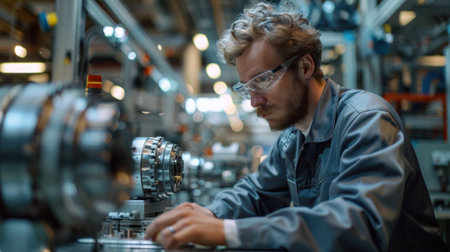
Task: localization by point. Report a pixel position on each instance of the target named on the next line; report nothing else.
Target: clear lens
(242, 90)
(261, 82)
(264, 81)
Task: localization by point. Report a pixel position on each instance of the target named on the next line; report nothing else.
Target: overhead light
(331, 54)
(131, 55)
(339, 48)
(230, 109)
(108, 31)
(25, 67)
(164, 84)
(194, 162)
(118, 92)
(236, 124)
(220, 87)
(190, 106)
(405, 17)
(202, 104)
(208, 166)
(216, 105)
(200, 41)
(433, 61)
(213, 70)
(116, 34)
(20, 51)
(119, 32)
(328, 7)
(389, 38)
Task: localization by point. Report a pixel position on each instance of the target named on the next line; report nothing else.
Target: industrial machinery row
(71, 170)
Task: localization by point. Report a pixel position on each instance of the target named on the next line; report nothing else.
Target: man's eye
(263, 78)
(262, 81)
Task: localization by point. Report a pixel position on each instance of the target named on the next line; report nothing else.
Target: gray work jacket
(354, 184)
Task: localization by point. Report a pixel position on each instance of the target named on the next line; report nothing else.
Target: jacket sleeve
(364, 200)
(258, 193)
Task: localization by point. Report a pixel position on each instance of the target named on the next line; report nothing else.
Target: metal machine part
(158, 168)
(65, 162)
(158, 173)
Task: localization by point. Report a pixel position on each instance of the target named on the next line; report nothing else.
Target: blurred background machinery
(64, 163)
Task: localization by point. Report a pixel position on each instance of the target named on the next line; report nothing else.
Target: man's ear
(307, 66)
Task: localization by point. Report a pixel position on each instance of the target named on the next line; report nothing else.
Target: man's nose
(256, 99)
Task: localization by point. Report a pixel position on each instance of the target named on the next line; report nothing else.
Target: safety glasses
(263, 82)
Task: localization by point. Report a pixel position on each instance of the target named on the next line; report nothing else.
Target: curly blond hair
(287, 30)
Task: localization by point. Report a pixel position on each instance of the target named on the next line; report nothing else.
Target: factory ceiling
(172, 23)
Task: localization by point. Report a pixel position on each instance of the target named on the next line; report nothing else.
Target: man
(342, 176)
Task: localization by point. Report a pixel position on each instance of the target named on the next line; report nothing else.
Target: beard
(290, 111)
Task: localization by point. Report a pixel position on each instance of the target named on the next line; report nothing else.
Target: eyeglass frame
(244, 90)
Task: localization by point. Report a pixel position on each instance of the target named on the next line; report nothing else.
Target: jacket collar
(322, 125)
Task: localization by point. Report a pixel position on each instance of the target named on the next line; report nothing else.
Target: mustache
(263, 110)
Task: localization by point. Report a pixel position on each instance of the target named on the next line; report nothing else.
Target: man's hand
(189, 222)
